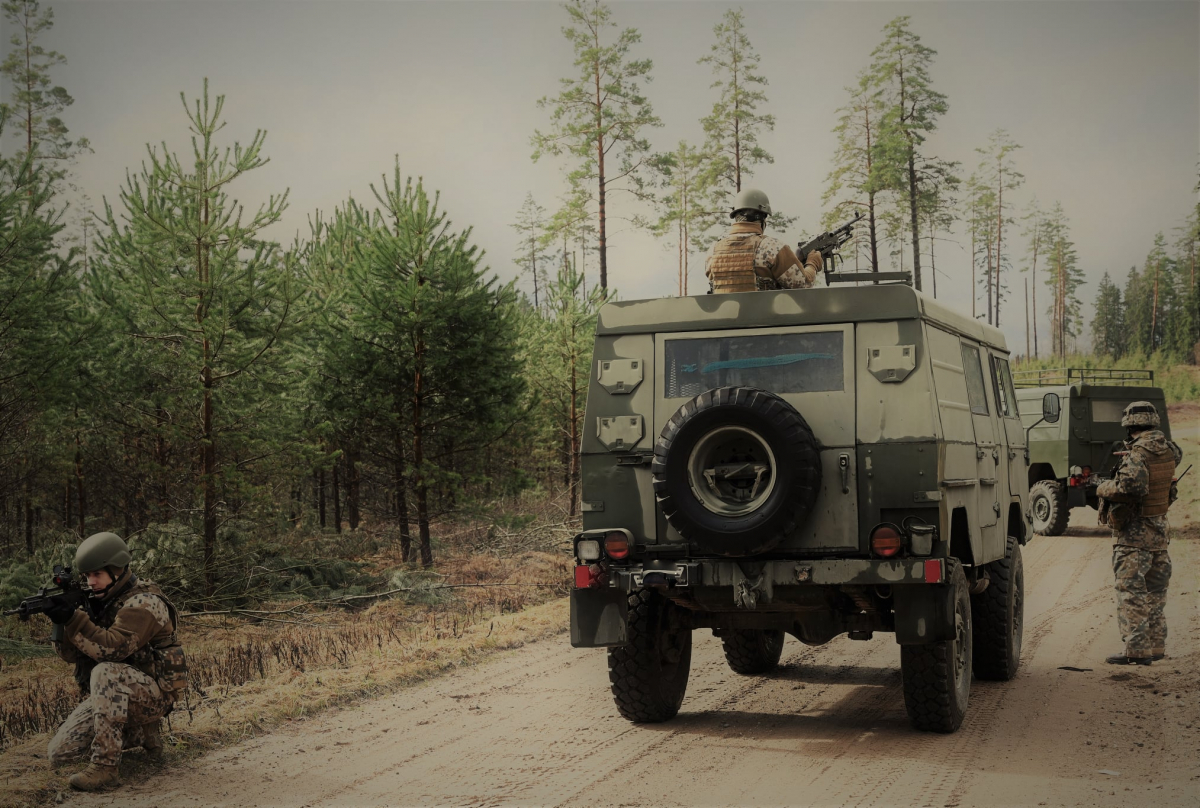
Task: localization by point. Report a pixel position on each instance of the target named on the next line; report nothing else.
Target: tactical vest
(1162, 473)
(732, 264)
(162, 658)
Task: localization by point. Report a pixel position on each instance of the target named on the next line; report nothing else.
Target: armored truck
(1070, 457)
(839, 460)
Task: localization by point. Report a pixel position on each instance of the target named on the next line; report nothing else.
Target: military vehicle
(809, 462)
(1069, 458)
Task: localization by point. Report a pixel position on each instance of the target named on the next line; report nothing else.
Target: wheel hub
(732, 471)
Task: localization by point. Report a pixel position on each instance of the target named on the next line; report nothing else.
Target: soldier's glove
(815, 260)
(60, 613)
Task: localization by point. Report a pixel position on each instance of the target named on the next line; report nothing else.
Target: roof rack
(1059, 376)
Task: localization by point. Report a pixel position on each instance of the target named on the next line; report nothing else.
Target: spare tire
(736, 470)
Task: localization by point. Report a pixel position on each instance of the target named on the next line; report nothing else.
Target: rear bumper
(816, 572)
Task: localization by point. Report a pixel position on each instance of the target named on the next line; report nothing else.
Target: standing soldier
(746, 261)
(127, 659)
(1134, 503)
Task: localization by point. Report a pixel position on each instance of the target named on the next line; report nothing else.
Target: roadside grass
(264, 663)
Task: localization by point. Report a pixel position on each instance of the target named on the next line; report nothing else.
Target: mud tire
(937, 676)
(998, 616)
(649, 675)
(1048, 506)
(796, 471)
(752, 651)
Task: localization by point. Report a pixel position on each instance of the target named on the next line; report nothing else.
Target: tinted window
(1004, 388)
(781, 363)
(974, 373)
(1108, 412)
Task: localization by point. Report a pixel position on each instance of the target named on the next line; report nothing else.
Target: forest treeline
(164, 362)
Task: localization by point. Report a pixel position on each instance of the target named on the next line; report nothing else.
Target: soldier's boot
(96, 777)
(152, 742)
(1121, 659)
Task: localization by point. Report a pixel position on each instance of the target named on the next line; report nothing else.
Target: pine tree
(684, 213)
(980, 215)
(1034, 233)
(733, 127)
(1064, 277)
(998, 171)
(599, 116)
(900, 70)
(1108, 322)
(38, 290)
(186, 271)
(854, 181)
(531, 256)
(1157, 279)
(938, 206)
(439, 336)
(28, 66)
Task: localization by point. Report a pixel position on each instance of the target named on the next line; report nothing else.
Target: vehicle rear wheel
(1048, 505)
(937, 676)
(998, 614)
(752, 651)
(649, 675)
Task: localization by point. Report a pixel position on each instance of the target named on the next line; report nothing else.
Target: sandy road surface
(537, 726)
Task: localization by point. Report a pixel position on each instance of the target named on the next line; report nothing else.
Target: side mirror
(1051, 408)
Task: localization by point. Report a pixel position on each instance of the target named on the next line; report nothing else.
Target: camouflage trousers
(1142, 577)
(110, 719)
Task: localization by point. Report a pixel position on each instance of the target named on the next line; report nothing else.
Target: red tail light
(616, 545)
(886, 541)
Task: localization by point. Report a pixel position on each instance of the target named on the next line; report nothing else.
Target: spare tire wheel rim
(732, 471)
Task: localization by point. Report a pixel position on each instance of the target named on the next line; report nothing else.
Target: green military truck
(814, 462)
(1068, 458)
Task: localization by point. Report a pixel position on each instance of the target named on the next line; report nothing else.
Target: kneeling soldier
(127, 659)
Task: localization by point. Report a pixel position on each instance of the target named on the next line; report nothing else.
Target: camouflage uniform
(745, 260)
(1141, 564)
(114, 652)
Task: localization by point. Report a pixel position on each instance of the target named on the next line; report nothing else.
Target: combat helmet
(102, 551)
(1140, 415)
(750, 199)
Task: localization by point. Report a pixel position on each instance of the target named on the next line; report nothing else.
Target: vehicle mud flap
(599, 618)
(924, 613)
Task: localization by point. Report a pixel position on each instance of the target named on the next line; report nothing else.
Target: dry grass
(248, 676)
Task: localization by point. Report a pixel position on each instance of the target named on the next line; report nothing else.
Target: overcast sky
(1104, 97)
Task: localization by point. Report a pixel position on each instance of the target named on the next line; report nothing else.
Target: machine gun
(64, 589)
(830, 242)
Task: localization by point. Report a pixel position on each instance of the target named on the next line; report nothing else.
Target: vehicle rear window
(782, 363)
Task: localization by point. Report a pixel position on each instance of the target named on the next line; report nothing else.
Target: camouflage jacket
(126, 629)
(1130, 484)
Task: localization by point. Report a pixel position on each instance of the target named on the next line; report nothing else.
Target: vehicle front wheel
(649, 675)
(1048, 506)
(937, 676)
(752, 651)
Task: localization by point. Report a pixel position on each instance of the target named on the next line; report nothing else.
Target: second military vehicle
(814, 462)
(1070, 457)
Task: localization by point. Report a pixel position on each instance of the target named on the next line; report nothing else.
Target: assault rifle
(64, 589)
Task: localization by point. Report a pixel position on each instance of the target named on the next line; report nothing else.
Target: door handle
(844, 462)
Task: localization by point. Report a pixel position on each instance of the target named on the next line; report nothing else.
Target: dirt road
(537, 727)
